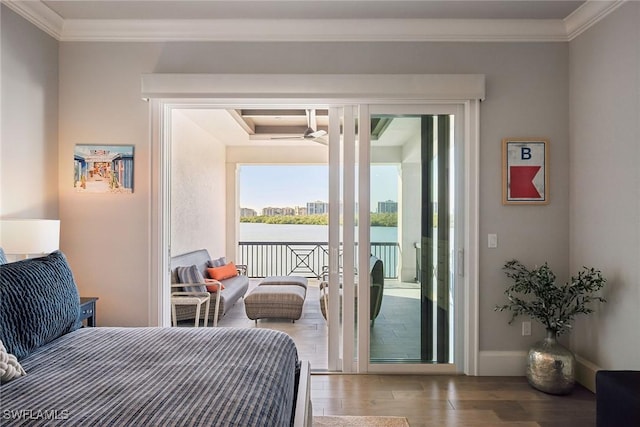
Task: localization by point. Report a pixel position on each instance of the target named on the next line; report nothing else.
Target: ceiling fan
(310, 133)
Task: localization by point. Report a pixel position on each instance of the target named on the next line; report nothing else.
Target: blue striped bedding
(156, 377)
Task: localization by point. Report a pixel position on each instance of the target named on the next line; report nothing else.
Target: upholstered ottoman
(275, 302)
(284, 280)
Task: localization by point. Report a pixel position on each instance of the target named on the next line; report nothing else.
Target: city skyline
(383, 206)
(263, 186)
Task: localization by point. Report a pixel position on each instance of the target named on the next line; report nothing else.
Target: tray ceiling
(314, 20)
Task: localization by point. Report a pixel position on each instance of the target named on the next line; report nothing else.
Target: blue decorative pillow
(3, 257)
(39, 302)
(191, 274)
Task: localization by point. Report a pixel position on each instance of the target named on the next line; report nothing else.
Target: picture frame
(103, 168)
(525, 171)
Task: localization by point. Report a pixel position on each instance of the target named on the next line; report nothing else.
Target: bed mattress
(156, 377)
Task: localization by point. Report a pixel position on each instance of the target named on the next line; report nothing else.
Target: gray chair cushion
(191, 274)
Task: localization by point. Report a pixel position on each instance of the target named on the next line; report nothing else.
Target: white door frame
(169, 91)
(365, 364)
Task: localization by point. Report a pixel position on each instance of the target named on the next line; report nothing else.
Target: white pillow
(10, 368)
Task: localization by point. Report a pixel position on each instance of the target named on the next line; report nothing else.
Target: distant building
(301, 210)
(288, 211)
(388, 206)
(271, 211)
(245, 212)
(317, 208)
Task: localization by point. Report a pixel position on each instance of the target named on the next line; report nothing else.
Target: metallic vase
(550, 366)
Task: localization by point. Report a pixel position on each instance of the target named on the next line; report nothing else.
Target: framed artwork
(103, 169)
(525, 172)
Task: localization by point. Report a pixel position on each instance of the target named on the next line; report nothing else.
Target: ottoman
(617, 398)
(275, 301)
(284, 280)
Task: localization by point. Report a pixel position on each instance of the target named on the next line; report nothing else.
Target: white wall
(198, 189)
(527, 95)
(29, 121)
(605, 183)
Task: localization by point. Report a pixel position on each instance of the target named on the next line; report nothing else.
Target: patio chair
(376, 290)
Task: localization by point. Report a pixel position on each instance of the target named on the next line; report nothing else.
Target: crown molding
(308, 30)
(588, 15)
(39, 15)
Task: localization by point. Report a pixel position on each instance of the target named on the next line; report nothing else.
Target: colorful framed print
(525, 171)
(103, 169)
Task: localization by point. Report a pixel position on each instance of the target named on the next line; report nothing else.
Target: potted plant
(535, 293)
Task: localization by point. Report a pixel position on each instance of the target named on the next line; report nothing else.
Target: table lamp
(29, 236)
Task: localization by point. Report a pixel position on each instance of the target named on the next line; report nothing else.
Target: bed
(144, 376)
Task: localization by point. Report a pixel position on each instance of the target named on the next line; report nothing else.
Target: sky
(295, 185)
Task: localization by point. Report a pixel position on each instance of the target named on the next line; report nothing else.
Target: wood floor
(427, 401)
(458, 401)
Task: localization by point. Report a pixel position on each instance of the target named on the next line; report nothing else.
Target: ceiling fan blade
(312, 122)
(317, 134)
(310, 132)
(320, 140)
(288, 137)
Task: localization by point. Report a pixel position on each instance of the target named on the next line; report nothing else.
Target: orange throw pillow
(224, 272)
(212, 285)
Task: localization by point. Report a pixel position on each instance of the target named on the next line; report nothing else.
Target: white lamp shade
(29, 236)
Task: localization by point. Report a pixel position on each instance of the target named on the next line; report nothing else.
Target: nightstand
(88, 310)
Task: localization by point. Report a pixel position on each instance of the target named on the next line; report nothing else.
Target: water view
(259, 232)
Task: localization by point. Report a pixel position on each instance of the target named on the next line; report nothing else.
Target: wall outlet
(526, 328)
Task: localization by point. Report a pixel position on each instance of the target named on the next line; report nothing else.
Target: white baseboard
(514, 363)
(586, 373)
(502, 363)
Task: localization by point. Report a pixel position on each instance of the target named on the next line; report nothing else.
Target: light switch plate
(492, 240)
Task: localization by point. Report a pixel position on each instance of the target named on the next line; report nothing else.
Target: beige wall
(29, 121)
(108, 243)
(605, 183)
(197, 189)
(527, 95)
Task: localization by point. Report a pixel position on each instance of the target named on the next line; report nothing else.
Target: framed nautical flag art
(525, 171)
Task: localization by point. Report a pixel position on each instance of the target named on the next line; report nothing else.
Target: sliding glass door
(412, 208)
(395, 238)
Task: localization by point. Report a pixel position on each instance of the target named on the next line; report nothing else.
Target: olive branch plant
(536, 293)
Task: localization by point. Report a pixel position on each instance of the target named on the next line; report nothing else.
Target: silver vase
(550, 366)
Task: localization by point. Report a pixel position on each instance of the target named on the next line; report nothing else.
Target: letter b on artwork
(525, 153)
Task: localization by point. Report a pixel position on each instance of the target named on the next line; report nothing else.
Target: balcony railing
(305, 258)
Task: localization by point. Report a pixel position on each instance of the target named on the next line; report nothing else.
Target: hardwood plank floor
(426, 400)
(460, 401)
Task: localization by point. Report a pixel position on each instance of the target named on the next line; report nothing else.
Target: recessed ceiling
(314, 9)
(307, 20)
(314, 20)
(284, 127)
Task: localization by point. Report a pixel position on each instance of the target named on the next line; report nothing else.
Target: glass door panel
(342, 247)
(412, 196)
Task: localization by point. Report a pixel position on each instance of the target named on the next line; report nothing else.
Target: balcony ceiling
(285, 127)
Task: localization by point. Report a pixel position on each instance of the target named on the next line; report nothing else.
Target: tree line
(377, 219)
